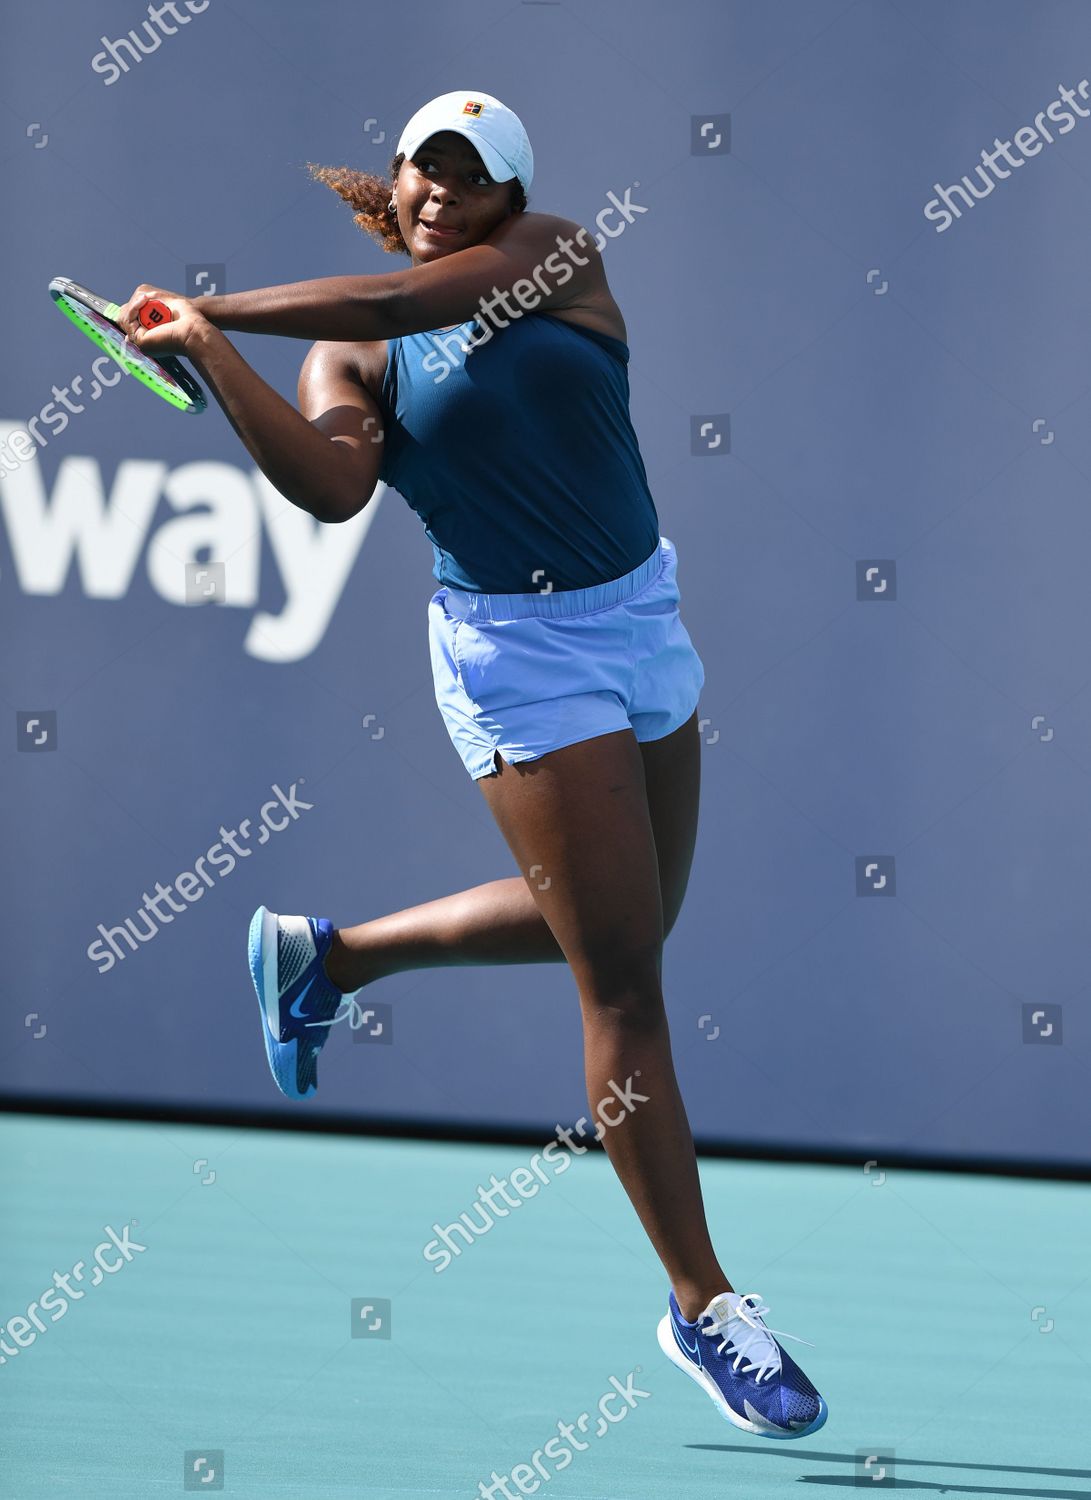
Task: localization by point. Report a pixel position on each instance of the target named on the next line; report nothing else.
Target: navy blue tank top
(518, 455)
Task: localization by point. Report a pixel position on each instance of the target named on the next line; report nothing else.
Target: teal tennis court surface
(949, 1313)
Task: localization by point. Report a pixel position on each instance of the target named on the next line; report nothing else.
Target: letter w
(105, 537)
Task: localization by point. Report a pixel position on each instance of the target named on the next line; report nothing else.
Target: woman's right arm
(325, 457)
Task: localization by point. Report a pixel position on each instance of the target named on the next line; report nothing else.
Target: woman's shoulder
(363, 362)
(551, 230)
(587, 301)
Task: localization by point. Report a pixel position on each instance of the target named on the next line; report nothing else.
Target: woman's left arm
(527, 260)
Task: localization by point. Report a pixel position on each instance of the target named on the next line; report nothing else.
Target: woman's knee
(625, 989)
(625, 1015)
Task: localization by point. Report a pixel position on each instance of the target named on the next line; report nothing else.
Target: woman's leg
(579, 824)
(496, 923)
(499, 922)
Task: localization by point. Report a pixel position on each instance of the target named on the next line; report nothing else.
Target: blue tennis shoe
(736, 1361)
(298, 1002)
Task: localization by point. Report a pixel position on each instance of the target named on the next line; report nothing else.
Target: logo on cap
(472, 107)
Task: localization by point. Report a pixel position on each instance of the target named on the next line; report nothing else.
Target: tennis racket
(97, 318)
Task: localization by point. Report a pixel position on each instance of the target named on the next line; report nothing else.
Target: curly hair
(369, 195)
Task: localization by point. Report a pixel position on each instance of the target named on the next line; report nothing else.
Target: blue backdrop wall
(862, 394)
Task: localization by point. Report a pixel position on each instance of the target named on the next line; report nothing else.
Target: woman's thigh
(672, 775)
(578, 823)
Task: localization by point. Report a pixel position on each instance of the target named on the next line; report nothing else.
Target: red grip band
(154, 313)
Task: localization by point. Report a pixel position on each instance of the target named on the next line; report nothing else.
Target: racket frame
(168, 377)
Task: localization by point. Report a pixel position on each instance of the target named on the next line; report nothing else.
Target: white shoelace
(355, 1014)
(755, 1346)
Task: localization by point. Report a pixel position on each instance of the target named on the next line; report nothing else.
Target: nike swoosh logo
(295, 1010)
(685, 1346)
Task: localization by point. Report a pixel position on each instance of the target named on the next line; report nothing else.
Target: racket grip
(155, 313)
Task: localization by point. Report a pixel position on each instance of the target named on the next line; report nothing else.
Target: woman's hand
(187, 325)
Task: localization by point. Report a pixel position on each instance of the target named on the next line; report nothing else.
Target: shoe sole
(665, 1336)
(262, 955)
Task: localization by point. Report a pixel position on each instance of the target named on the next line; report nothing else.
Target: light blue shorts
(524, 674)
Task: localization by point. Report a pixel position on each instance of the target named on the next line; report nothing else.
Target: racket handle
(154, 313)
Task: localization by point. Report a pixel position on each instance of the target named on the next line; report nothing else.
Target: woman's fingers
(128, 317)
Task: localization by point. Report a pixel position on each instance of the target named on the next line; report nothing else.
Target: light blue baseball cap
(495, 131)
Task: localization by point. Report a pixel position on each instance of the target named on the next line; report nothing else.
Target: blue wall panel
(883, 562)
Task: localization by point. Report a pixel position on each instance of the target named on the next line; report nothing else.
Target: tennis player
(488, 384)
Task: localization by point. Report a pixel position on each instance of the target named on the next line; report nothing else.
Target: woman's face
(446, 183)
